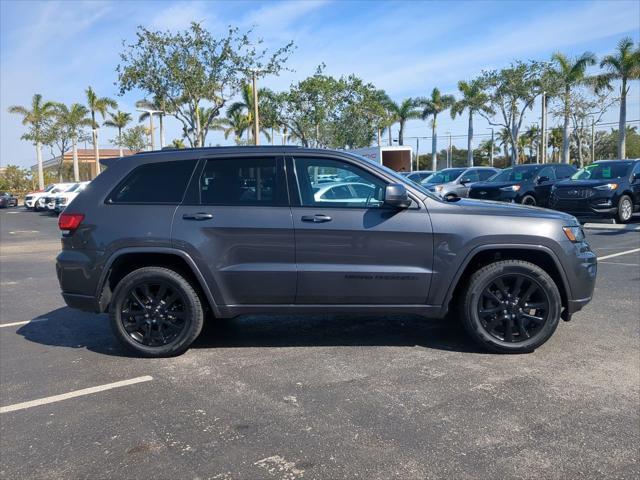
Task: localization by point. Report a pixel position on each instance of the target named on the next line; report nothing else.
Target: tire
(625, 209)
(529, 199)
(156, 326)
(484, 317)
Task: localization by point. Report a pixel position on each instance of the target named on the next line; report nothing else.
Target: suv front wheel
(511, 306)
(156, 312)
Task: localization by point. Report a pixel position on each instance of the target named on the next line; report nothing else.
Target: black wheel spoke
(513, 308)
(154, 313)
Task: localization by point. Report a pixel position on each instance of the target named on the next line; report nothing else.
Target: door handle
(197, 216)
(318, 218)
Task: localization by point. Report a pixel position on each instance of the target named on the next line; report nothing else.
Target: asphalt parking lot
(313, 397)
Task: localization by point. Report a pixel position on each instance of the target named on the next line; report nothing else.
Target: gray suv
(163, 240)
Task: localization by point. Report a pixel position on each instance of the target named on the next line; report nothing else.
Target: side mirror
(395, 195)
(542, 179)
(465, 180)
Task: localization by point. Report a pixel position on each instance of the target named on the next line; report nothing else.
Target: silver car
(455, 182)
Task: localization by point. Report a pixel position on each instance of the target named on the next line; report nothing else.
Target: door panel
(357, 255)
(242, 231)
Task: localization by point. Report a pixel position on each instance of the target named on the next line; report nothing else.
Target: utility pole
(417, 154)
(450, 154)
(593, 140)
(543, 130)
(256, 121)
(491, 153)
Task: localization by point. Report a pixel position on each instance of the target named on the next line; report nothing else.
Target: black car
(527, 184)
(604, 189)
(7, 200)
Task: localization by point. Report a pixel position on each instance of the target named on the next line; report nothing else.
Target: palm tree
(571, 72)
(555, 139)
(118, 120)
(503, 139)
(245, 106)
(159, 105)
(401, 112)
(74, 119)
(236, 123)
(623, 65)
(97, 105)
(177, 143)
(204, 127)
(36, 119)
(434, 105)
(474, 99)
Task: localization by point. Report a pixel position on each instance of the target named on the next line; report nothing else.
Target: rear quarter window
(163, 182)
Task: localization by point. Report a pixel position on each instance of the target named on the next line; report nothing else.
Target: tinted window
(445, 176)
(486, 174)
(471, 176)
(242, 181)
(354, 187)
(547, 172)
(603, 171)
(155, 183)
(636, 169)
(564, 171)
(516, 174)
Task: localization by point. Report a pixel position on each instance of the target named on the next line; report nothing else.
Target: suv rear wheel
(529, 200)
(156, 312)
(511, 306)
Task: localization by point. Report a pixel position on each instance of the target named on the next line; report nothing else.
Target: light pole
(449, 156)
(543, 129)
(491, 151)
(256, 121)
(151, 113)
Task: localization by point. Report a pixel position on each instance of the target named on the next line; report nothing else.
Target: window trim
(193, 197)
(295, 197)
(109, 198)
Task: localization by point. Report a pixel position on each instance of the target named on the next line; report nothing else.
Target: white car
(345, 192)
(35, 200)
(64, 199)
(48, 201)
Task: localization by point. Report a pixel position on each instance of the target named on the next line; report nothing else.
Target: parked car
(455, 182)
(417, 176)
(344, 192)
(7, 200)
(163, 239)
(39, 200)
(62, 200)
(49, 200)
(32, 198)
(528, 184)
(604, 189)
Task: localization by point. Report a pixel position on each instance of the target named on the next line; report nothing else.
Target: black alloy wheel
(513, 308)
(154, 313)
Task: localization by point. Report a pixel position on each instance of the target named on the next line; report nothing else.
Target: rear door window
(153, 183)
(253, 181)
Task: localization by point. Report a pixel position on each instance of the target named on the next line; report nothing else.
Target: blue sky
(406, 48)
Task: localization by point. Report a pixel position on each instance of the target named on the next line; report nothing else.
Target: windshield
(73, 188)
(445, 176)
(602, 171)
(515, 174)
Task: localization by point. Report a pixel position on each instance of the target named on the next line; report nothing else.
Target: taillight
(70, 221)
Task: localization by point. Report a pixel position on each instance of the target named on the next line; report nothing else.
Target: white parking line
(15, 324)
(619, 253)
(76, 393)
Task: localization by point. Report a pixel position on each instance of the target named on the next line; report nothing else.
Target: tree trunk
(622, 130)
(96, 151)
(565, 127)
(434, 146)
(379, 135)
(76, 167)
(401, 134)
(198, 138)
(580, 156)
(390, 137)
(515, 150)
(161, 132)
(470, 141)
(120, 141)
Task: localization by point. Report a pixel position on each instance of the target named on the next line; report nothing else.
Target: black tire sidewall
(193, 306)
(480, 280)
(524, 200)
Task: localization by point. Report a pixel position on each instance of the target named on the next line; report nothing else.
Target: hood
(484, 207)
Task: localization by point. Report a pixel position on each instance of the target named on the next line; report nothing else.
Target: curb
(613, 226)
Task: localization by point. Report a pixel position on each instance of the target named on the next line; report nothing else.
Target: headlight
(608, 186)
(512, 188)
(574, 234)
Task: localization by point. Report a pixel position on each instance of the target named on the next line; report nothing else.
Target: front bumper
(599, 205)
(78, 273)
